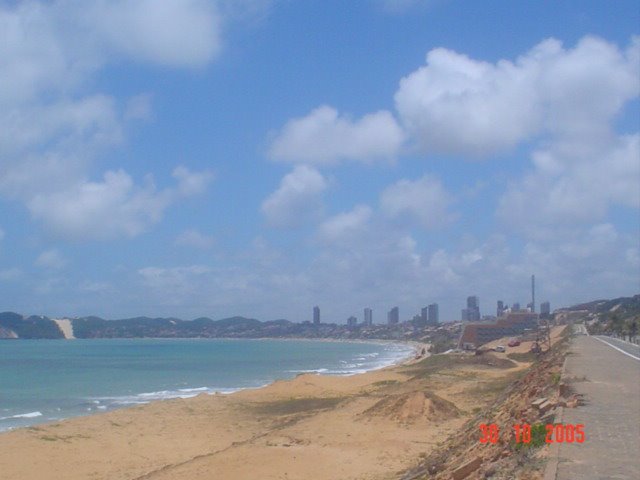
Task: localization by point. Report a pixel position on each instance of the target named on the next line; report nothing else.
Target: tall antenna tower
(543, 331)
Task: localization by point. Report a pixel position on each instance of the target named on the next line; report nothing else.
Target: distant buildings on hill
(502, 309)
(429, 316)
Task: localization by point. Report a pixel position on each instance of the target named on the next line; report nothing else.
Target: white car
(500, 348)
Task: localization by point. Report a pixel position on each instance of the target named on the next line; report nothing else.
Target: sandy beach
(367, 426)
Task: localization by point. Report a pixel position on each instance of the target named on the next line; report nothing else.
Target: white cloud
(366, 265)
(424, 201)
(582, 264)
(324, 137)
(56, 45)
(94, 287)
(346, 227)
(112, 208)
(91, 121)
(175, 33)
(574, 184)
(191, 183)
(175, 285)
(10, 274)
(139, 107)
(297, 200)
(458, 105)
(193, 238)
(51, 259)
(51, 129)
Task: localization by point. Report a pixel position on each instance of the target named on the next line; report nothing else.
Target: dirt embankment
(531, 398)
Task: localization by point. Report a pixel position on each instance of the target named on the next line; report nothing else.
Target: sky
(194, 158)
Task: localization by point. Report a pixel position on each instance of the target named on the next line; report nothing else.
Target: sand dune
(66, 327)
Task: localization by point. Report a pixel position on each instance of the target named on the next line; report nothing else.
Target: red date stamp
(553, 433)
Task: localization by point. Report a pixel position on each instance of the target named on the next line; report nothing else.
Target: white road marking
(619, 349)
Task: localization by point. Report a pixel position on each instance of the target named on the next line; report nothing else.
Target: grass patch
(555, 378)
(439, 363)
(385, 383)
(64, 438)
(523, 357)
(495, 386)
(538, 438)
(297, 405)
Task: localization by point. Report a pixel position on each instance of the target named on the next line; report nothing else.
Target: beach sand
(368, 426)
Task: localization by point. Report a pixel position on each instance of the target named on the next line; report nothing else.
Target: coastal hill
(13, 325)
(16, 326)
(619, 316)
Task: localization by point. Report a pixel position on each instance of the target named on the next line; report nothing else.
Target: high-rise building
(352, 321)
(473, 302)
(515, 307)
(500, 309)
(424, 316)
(316, 315)
(433, 315)
(368, 317)
(472, 312)
(545, 309)
(393, 317)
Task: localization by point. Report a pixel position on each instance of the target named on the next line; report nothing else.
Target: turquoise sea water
(46, 380)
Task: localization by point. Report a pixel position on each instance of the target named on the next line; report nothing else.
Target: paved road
(626, 347)
(611, 416)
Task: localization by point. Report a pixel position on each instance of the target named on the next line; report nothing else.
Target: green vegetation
(441, 363)
(441, 343)
(522, 357)
(385, 383)
(489, 388)
(297, 405)
(620, 316)
(30, 327)
(538, 438)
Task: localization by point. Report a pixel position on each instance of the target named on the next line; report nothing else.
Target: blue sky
(211, 158)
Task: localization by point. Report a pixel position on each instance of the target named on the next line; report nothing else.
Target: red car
(514, 343)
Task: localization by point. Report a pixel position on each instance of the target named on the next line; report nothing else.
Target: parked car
(500, 348)
(514, 343)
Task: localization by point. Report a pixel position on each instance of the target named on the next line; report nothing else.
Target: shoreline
(313, 427)
(189, 392)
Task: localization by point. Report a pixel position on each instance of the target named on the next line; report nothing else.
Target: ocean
(48, 380)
